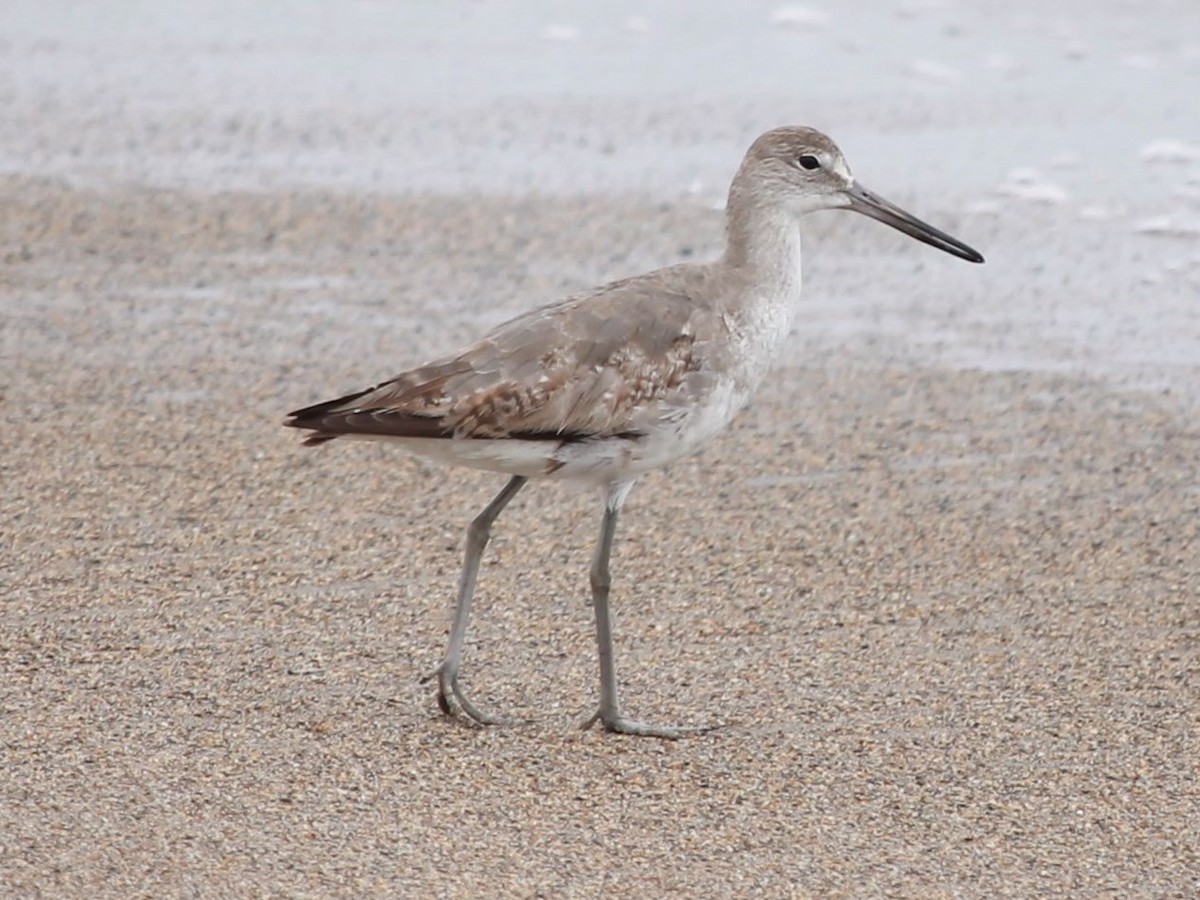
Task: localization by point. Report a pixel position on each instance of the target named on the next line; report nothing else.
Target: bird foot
(448, 687)
(616, 723)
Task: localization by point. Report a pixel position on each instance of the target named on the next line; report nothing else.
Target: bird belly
(505, 455)
(679, 430)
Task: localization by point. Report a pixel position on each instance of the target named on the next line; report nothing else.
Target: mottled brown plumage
(594, 364)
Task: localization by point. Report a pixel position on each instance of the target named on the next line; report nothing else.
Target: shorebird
(605, 385)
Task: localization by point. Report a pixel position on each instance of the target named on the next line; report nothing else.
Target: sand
(938, 584)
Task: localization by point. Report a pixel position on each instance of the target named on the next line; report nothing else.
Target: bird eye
(809, 162)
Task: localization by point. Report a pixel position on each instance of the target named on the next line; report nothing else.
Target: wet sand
(947, 618)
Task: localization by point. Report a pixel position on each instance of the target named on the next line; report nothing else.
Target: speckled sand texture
(939, 583)
(949, 617)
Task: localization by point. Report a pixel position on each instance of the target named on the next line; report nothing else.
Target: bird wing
(595, 364)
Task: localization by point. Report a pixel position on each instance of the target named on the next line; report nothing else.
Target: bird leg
(478, 533)
(609, 714)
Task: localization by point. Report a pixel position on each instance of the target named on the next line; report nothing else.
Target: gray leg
(609, 714)
(478, 534)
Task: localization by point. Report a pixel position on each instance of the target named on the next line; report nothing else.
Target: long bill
(871, 204)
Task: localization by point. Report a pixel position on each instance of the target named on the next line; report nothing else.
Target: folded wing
(593, 365)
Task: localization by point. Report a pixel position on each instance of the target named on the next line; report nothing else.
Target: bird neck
(762, 244)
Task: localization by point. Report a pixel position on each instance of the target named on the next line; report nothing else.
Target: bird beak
(869, 204)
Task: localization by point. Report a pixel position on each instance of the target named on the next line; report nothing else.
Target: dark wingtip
(314, 418)
(341, 417)
(316, 425)
(296, 418)
(316, 439)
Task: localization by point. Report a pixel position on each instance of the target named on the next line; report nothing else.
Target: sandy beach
(939, 583)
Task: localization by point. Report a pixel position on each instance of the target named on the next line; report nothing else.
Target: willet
(603, 386)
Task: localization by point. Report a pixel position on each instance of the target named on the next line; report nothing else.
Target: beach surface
(938, 584)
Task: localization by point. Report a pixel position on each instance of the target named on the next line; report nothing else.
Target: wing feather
(595, 364)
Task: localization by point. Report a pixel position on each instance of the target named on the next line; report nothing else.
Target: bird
(602, 386)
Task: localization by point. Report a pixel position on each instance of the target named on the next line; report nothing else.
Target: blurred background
(1062, 139)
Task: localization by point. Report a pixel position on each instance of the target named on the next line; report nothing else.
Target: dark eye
(809, 162)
